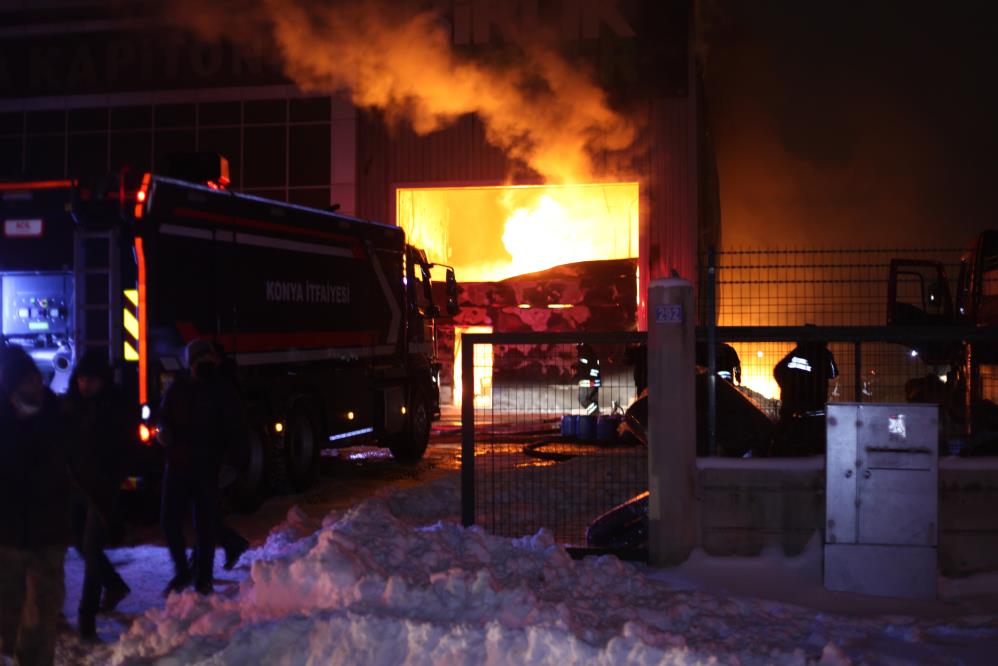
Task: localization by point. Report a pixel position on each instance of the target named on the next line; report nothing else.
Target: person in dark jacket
(803, 376)
(727, 365)
(199, 421)
(231, 541)
(34, 511)
(102, 431)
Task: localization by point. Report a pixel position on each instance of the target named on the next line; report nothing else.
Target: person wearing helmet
(803, 376)
(589, 378)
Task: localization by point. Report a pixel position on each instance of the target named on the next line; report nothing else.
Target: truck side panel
(308, 305)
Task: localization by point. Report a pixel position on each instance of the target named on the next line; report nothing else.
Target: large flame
(492, 233)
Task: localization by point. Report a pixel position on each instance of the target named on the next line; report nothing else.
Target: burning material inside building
(507, 138)
(497, 232)
(583, 296)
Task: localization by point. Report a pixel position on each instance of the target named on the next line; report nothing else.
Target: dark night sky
(838, 123)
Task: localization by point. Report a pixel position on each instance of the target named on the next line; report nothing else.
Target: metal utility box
(882, 500)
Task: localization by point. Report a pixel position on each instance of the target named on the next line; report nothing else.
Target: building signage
(23, 228)
(628, 43)
(670, 313)
(120, 61)
(293, 291)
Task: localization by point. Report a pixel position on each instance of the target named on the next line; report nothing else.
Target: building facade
(89, 87)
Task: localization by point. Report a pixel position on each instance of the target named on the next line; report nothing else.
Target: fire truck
(325, 320)
(919, 294)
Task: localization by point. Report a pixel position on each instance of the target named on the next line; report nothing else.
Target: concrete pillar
(672, 509)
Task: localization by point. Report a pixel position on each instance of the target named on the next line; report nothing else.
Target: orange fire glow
(492, 233)
(757, 366)
(482, 380)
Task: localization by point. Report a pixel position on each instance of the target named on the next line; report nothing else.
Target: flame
(758, 361)
(492, 233)
(482, 380)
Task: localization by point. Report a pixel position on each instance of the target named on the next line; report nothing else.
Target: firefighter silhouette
(726, 362)
(803, 376)
(587, 374)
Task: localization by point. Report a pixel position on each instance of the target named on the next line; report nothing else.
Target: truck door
(980, 306)
(986, 287)
(918, 293)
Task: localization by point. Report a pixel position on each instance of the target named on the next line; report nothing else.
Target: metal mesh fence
(539, 444)
(826, 287)
(871, 364)
(543, 439)
(547, 451)
(884, 372)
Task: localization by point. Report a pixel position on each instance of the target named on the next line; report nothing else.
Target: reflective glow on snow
(398, 580)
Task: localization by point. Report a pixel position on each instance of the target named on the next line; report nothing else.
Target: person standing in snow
(34, 511)
(199, 421)
(102, 432)
(233, 543)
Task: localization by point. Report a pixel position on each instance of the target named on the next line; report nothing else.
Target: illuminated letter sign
(23, 228)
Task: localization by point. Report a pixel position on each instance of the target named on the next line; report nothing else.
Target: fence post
(711, 351)
(671, 422)
(857, 360)
(468, 431)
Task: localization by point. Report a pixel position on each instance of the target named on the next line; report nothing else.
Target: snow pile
(373, 585)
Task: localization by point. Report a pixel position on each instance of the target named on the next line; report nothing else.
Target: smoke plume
(539, 109)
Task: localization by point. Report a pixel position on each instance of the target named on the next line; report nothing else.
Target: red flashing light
(142, 195)
(220, 183)
(140, 258)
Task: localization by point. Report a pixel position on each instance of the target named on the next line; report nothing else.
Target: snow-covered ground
(396, 580)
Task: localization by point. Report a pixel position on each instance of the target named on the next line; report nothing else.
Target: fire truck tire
(248, 489)
(301, 447)
(410, 445)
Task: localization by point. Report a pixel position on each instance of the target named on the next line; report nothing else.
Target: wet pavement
(346, 478)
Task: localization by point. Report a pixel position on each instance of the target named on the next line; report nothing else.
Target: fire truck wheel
(301, 447)
(410, 445)
(247, 492)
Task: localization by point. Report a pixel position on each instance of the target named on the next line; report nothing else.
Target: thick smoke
(394, 56)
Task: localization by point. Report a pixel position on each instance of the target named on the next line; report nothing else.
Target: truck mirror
(427, 286)
(452, 307)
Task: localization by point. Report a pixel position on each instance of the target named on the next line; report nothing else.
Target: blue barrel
(587, 427)
(569, 427)
(606, 428)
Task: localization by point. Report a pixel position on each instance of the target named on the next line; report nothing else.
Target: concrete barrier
(745, 504)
